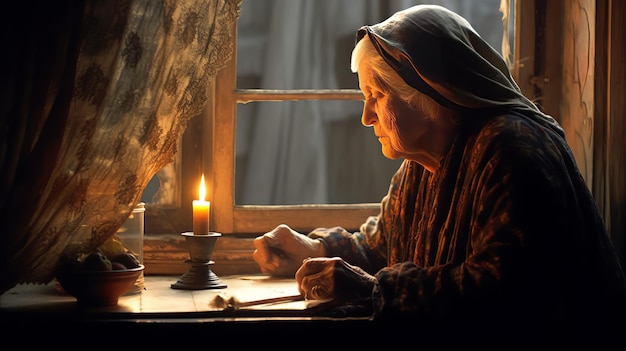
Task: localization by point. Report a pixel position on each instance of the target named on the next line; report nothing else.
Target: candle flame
(202, 189)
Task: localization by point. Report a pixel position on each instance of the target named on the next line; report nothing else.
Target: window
(312, 122)
(312, 98)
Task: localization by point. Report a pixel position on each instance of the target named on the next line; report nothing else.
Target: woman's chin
(390, 154)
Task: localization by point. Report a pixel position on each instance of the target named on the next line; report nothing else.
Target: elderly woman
(487, 222)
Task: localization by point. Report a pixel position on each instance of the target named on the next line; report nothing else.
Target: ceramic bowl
(98, 288)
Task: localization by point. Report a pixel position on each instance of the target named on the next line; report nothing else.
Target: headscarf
(437, 52)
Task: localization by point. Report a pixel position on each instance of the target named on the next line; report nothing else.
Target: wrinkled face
(402, 129)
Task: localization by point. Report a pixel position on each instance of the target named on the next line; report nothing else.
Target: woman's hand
(333, 278)
(282, 250)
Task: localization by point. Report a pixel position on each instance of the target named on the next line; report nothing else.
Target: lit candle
(201, 209)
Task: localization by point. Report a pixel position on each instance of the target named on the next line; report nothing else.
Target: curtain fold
(95, 95)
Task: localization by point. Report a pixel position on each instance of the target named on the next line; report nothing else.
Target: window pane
(315, 152)
(320, 154)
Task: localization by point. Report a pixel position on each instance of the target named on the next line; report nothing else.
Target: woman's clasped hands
(285, 252)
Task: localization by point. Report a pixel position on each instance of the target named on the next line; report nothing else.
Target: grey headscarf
(437, 52)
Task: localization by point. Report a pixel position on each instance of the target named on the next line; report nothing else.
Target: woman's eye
(376, 94)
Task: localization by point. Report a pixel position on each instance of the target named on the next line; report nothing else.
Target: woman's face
(404, 131)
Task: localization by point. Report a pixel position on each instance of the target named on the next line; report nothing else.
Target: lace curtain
(95, 95)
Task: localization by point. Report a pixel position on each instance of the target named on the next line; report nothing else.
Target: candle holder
(199, 276)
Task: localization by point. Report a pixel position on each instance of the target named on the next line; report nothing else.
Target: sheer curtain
(285, 148)
(95, 95)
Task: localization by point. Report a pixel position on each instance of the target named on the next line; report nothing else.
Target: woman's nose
(369, 115)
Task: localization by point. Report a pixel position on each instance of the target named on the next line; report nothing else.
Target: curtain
(95, 96)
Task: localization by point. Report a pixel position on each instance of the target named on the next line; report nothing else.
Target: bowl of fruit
(98, 278)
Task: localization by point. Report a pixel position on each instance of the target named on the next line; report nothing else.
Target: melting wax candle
(201, 210)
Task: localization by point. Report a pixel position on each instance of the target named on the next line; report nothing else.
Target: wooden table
(161, 315)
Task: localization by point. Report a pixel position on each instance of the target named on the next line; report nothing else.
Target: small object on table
(98, 288)
(223, 302)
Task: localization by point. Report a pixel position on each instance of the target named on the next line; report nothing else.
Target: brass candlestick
(199, 276)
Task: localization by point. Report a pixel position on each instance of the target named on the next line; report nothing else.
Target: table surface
(159, 296)
(161, 316)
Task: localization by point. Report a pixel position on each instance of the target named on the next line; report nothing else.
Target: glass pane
(316, 152)
(308, 152)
